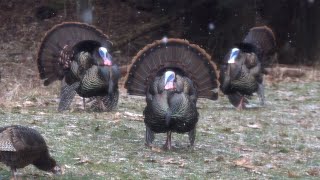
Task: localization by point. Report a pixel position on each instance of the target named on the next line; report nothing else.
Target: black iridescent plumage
(172, 109)
(244, 75)
(21, 146)
(71, 52)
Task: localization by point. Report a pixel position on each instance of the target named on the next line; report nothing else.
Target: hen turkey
(21, 146)
(242, 71)
(79, 55)
(172, 74)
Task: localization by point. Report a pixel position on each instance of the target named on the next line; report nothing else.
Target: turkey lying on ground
(172, 74)
(21, 146)
(79, 55)
(241, 73)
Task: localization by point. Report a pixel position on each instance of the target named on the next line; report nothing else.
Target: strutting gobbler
(172, 74)
(79, 55)
(241, 73)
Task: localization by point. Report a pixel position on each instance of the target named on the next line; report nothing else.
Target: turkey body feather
(21, 146)
(171, 110)
(241, 74)
(77, 54)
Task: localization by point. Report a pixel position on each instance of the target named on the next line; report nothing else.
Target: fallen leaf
(99, 162)
(292, 174)
(117, 115)
(169, 161)
(244, 162)
(182, 164)
(208, 160)
(63, 169)
(83, 160)
(227, 130)
(269, 166)
(246, 149)
(97, 128)
(28, 104)
(41, 113)
(33, 122)
(314, 172)
(220, 158)
(151, 160)
(156, 149)
(254, 126)
(133, 116)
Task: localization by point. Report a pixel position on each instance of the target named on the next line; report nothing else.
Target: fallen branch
(283, 72)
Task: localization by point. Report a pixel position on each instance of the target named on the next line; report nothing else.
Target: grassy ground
(279, 141)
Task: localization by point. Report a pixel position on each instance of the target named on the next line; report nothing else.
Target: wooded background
(214, 24)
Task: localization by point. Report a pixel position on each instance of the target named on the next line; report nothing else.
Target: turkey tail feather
(178, 54)
(59, 43)
(264, 42)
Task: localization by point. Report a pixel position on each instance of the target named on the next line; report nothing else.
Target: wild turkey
(79, 55)
(172, 74)
(242, 71)
(21, 146)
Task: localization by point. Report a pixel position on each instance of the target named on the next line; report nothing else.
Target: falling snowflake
(211, 26)
(164, 39)
(311, 1)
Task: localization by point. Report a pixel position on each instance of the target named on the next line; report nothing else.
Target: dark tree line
(214, 24)
(295, 23)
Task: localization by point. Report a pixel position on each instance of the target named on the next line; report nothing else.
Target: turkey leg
(261, 93)
(66, 95)
(13, 174)
(149, 137)
(167, 145)
(241, 104)
(192, 136)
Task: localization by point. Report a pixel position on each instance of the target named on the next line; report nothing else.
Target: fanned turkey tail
(262, 41)
(58, 51)
(178, 54)
(59, 44)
